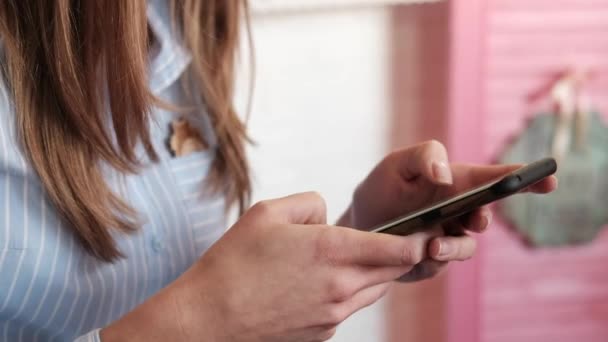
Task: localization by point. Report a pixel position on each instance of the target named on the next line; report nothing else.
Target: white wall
(321, 107)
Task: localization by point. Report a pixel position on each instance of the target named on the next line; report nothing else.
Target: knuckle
(393, 155)
(434, 144)
(262, 208)
(317, 196)
(319, 201)
(335, 315)
(339, 290)
(392, 158)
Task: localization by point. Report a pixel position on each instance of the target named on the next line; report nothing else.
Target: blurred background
(338, 84)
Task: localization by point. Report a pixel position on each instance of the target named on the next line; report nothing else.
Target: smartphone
(468, 201)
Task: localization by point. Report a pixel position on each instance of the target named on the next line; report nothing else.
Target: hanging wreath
(576, 136)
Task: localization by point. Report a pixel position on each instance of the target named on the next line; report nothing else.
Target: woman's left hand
(411, 178)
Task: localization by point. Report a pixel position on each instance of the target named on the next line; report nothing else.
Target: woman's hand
(279, 274)
(411, 178)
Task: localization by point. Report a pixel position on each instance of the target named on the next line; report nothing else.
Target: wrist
(195, 313)
(170, 315)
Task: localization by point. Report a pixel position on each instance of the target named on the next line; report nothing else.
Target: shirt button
(157, 244)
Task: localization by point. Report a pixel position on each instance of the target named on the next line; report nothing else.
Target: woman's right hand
(282, 274)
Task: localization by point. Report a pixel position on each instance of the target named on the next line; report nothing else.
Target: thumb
(301, 208)
(429, 160)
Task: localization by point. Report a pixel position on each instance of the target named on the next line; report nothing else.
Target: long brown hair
(71, 62)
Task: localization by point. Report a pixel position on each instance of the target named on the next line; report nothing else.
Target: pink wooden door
(558, 295)
(495, 54)
(437, 70)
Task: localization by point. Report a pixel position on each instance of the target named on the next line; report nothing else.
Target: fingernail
(445, 249)
(442, 173)
(556, 182)
(488, 218)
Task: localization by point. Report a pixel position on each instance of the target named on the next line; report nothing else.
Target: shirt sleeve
(92, 336)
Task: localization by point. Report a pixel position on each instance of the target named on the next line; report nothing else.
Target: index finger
(350, 246)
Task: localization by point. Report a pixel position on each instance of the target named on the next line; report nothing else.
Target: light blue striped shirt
(53, 290)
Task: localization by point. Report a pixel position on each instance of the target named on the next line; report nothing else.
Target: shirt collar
(171, 58)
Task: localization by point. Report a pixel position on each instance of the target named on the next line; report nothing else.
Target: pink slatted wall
(557, 295)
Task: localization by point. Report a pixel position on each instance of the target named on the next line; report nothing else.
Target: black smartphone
(467, 201)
